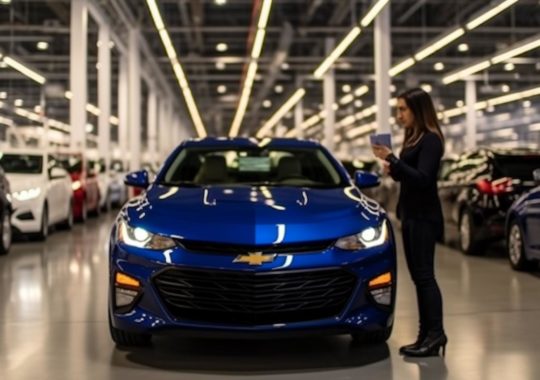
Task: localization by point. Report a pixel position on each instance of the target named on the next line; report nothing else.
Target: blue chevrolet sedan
(523, 229)
(251, 237)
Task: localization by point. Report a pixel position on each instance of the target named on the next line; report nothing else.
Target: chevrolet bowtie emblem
(255, 258)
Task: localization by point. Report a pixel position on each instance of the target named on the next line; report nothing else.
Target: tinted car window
(291, 167)
(22, 163)
(520, 167)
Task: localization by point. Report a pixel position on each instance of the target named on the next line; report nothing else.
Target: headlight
(139, 237)
(368, 238)
(26, 195)
(76, 185)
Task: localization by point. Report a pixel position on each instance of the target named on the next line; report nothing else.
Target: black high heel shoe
(416, 344)
(429, 347)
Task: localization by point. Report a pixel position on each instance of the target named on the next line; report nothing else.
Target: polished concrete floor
(53, 325)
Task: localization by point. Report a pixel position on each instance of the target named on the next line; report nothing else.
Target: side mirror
(536, 176)
(137, 179)
(364, 180)
(57, 172)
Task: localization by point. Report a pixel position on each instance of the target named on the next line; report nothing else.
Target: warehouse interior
(124, 82)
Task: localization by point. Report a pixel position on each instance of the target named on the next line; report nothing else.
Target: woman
(419, 210)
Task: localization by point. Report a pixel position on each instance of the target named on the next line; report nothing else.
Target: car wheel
(44, 231)
(372, 337)
(128, 339)
(516, 249)
(6, 233)
(84, 211)
(107, 206)
(467, 242)
(68, 223)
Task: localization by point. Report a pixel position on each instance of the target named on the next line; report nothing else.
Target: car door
(532, 223)
(57, 193)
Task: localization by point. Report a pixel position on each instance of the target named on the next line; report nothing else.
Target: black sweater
(417, 170)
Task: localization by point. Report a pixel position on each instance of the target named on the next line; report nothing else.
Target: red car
(84, 183)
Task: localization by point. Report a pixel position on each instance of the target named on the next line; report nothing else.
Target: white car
(41, 192)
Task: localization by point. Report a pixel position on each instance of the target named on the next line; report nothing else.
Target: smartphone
(381, 139)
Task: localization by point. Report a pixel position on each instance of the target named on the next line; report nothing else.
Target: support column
(152, 126)
(162, 134)
(329, 94)
(470, 101)
(104, 95)
(123, 115)
(299, 113)
(78, 73)
(383, 49)
(134, 79)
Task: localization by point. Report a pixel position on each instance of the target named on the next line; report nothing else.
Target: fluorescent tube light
(490, 14)
(24, 70)
(461, 74)
(437, 45)
(265, 13)
(529, 44)
(402, 66)
(373, 12)
(337, 52)
(177, 67)
(295, 98)
(257, 45)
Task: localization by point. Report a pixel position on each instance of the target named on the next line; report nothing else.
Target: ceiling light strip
(509, 98)
(463, 73)
(177, 67)
(295, 98)
(439, 44)
(486, 14)
(515, 50)
(373, 12)
(337, 52)
(256, 50)
(25, 70)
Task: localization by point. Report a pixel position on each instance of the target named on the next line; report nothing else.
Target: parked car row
(40, 190)
(487, 195)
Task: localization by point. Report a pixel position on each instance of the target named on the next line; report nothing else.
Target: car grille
(250, 298)
(224, 248)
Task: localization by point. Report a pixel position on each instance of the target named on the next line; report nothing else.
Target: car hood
(20, 182)
(253, 215)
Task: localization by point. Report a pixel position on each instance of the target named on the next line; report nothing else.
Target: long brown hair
(425, 117)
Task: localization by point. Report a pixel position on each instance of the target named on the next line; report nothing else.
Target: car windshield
(22, 163)
(71, 164)
(307, 167)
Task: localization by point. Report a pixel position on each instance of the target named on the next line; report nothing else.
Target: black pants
(419, 238)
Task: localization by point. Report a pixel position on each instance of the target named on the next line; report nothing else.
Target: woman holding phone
(419, 210)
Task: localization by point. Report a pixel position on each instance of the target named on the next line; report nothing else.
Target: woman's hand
(381, 151)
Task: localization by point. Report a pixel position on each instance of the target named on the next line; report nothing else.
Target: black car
(5, 214)
(477, 190)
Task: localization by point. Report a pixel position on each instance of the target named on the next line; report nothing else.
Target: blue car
(523, 229)
(251, 237)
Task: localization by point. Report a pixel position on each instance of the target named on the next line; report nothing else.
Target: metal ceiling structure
(293, 47)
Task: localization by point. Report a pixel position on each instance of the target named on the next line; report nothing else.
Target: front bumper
(27, 215)
(152, 313)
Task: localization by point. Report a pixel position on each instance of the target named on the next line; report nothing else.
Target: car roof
(249, 142)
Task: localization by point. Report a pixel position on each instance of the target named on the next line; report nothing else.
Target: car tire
(6, 233)
(372, 337)
(84, 212)
(128, 339)
(68, 223)
(466, 231)
(516, 250)
(44, 229)
(107, 206)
